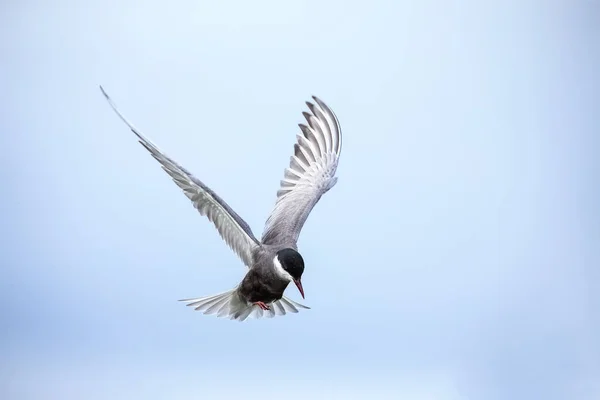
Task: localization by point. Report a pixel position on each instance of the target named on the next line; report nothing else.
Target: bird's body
(274, 261)
(262, 283)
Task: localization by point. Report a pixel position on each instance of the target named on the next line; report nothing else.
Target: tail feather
(230, 304)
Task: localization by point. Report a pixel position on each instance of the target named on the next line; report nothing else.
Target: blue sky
(457, 257)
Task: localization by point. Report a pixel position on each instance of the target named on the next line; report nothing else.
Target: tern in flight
(274, 261)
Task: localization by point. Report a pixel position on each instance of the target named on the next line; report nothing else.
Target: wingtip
(320, 102)
(317, 100)
(104, 92)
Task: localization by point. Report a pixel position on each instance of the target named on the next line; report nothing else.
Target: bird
(274, 261)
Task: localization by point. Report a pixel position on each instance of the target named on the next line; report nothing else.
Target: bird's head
(290, 265)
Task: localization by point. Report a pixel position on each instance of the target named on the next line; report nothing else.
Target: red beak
(299, 286)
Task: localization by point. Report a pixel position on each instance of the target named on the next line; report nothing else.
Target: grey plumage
(310, 175)
(273, 262)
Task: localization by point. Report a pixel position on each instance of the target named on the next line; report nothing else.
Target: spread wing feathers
(230, 305)
(310, 175)
(231, 227)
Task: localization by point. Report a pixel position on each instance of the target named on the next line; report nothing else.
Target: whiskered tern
(274, 261)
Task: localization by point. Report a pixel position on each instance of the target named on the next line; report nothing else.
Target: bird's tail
(229, 304)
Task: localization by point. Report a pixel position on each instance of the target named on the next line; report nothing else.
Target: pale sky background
(457, 258)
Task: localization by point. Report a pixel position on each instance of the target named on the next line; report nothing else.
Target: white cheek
(280, 271)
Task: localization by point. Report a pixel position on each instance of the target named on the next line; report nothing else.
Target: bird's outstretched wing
(310, 175)
(232, 228)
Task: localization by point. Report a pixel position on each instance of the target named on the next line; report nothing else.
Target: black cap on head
(292, 262)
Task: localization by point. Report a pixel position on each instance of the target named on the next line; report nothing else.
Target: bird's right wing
(231, 227)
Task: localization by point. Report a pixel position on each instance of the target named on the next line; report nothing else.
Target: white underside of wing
(230, 305)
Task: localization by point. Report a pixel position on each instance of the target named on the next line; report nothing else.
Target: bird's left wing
(231, 227)
(310, 175)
